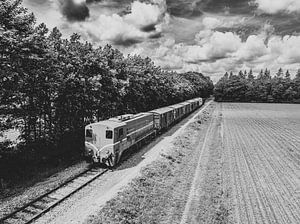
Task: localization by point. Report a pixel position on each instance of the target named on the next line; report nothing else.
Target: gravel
(27, 194)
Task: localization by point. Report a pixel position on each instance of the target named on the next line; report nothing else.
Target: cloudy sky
(208, 36)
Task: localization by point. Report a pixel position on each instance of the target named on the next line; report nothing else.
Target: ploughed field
(261, 162)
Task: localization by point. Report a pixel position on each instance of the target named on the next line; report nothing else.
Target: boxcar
(163, 117)
(178, 111)
(193, 104)
(198, 101)
(186, 107)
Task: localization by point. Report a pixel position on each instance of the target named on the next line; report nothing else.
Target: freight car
(163, 118)
(105, 141)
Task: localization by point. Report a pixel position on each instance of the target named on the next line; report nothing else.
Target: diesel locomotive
(105, 141)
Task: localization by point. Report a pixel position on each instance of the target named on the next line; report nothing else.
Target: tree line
(51, 87)
(264, 87)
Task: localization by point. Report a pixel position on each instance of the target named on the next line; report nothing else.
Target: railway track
(36, 208)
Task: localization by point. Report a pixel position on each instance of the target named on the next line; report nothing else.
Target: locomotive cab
(102, 141)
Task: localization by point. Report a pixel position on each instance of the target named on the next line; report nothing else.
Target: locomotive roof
(162, 110)
(176, 106)
(193, 100)
(109, 123)
(116, 122)
(132, 117)
(185, 103)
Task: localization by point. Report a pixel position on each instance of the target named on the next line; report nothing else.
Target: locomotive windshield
(109, 134)
(89, 133)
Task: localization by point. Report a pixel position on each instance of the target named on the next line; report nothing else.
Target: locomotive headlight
(105, 153)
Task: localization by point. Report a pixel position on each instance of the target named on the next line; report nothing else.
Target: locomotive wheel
(113, 160)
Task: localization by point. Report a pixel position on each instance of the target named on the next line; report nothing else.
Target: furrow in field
(262, 200)
(265, 158)
(291, 143)
(290, 139)
(281, 154)
(259, 197)
(282, 129)
(262, 138)
(274, 166)
(232, 179)
(283, 191)
(226, 172)
(283, 166)
(244, 215)
(283, 123)
(253, 204)
(249, 154)
(238, 209)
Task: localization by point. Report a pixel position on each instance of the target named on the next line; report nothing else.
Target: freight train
(105, 141)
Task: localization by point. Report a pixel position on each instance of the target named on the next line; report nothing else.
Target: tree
(279, 74)
(262, 89)
(226, 76)
(298, 74)
(261, 75)
(16, 26)
(241, 75)
(267, 74)
(250, 75)
(287, 75)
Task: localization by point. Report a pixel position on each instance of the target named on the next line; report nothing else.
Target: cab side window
(109, 134)
(121, 132)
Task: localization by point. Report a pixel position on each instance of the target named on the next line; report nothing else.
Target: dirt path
(208, 200)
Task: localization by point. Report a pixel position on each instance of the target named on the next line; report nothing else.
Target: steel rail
(45, 195)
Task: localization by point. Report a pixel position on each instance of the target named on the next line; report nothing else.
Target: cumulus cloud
(275, 6)
(253, 48)
(112, 29)
(146, 16)
(285, 49)
(212, 45)
(210, 42)
(222, 44)
(216, 52)
(211, 22)
(74, 10)
(145, 21)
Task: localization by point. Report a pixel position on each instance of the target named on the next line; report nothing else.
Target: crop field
(261, 159)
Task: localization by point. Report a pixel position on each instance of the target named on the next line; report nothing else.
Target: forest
(51, 87)
(264, 87)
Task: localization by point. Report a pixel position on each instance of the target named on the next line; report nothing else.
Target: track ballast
(34, 209)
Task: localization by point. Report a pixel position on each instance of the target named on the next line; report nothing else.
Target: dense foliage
(52, 87)
(244, 87)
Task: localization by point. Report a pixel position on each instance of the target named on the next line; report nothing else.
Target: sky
(207, 36)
